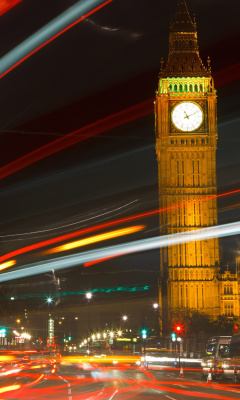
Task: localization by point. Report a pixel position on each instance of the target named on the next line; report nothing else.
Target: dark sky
(99, 67)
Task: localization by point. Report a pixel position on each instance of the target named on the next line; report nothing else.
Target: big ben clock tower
(186, 140)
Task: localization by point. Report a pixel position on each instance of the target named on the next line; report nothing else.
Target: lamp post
(89, 297)
(156, 310)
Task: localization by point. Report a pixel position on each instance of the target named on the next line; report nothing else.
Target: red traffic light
(178, 328)
(235, 329)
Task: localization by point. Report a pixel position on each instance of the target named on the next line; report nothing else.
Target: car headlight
(210, 364)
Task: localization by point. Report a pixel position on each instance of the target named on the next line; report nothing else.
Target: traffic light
(3, 332)
(69, 337)
(173, 336)
(178, 328)
(235, 329)
(144, 333)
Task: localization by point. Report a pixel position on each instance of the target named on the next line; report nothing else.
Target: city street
(126, 382)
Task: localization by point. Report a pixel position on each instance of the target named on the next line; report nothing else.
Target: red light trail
(102, 125)
(102, 226)
(6, 5)
(122, 117)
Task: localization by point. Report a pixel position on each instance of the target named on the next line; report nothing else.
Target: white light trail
(120, 249)
(47, 33)
(73, 223)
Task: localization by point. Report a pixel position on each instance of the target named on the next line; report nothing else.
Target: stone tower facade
(186, 142)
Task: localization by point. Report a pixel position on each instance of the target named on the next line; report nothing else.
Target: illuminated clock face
(187, 116)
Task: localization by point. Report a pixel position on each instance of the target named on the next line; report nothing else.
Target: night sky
(103, 65)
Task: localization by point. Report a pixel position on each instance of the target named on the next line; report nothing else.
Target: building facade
(186, 143)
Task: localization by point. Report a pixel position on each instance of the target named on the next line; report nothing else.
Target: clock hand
(187, 116)
(193, 113)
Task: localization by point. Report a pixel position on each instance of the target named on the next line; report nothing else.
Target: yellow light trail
(7, 264)
(9, 388)
(96, 239)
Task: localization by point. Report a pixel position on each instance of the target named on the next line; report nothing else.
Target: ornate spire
(182, 21)
(183, 58)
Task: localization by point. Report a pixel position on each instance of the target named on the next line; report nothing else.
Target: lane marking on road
(113, 394)
(69, 387)
(62, 378)
(176, 384)
(156, 390)
(169, 397)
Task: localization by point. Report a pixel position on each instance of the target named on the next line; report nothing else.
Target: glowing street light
(89, 295)
(124, 317)
(155, 306)
(49, 300)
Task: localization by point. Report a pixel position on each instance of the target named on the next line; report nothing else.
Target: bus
(230, 365)
(217, 348)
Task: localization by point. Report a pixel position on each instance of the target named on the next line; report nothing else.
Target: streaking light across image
(94, 228)
(7, 264)
(131, 247)
(49, 300)
(95, 239)
(72, 16)
(102, 125)
(7, 5)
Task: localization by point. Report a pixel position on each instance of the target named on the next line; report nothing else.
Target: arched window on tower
(196, 88)
(201, 88)
(170, 88)
(191, 88)
(175, 88)
(185, 88)
(180, 88)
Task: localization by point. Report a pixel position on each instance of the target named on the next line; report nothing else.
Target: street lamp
(124, 317)
(49, 300)
(156, 312)
(89, 295)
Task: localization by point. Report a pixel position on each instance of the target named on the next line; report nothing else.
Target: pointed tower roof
(182, 21)
(183, 57)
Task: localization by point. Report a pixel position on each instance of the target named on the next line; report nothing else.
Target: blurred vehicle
(229, 367)
(217, 348)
